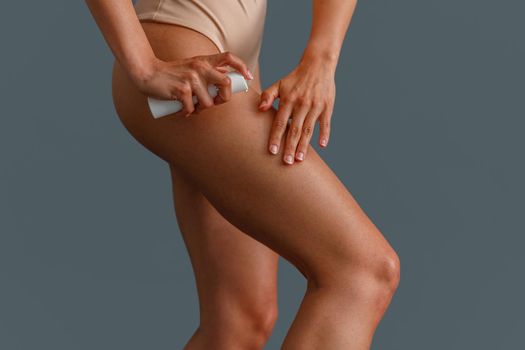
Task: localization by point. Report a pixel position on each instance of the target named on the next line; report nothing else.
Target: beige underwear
(232, 25)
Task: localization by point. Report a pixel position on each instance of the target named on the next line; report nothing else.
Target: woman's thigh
(234, 273)
(231, 268)
(301, 211)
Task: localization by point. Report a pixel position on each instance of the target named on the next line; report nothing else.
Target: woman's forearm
(124, 35)
(330, 21)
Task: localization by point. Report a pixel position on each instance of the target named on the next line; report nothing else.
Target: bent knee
(378, 267)
(257, 315)
(383, 268)
(388, 270)
(248, 325)
(262, 319)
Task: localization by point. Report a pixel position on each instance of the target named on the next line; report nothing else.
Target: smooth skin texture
(239, 207)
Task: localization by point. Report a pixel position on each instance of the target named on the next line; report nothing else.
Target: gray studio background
(427, 135)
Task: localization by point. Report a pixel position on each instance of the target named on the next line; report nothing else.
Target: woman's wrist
(316, 54)
(142, 68)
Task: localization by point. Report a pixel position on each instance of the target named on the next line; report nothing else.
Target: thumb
(268, 96)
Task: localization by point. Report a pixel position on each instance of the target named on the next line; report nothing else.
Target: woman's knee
(247, 322)
(258, 315)
(262, 319)
(374, 266)
(386, 269)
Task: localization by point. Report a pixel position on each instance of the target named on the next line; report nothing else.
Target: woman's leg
(236, 275)
(301, 211)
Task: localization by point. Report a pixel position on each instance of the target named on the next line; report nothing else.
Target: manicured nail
(273, 149)
(323, 142)
(300, 155)
(288, 159)
(250, 75)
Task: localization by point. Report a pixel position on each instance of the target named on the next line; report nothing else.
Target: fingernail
(273, 149)
(300, 155)
(250, 75)
(263, 102)
(323, 142)
(288, 159)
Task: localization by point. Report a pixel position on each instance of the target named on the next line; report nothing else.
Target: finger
(200, 89)
(198, 108)
(185, 97)
(324, 123)
(307, 132)
(222, 82)
(222, 69)
(268, 96)
(229, 58)
(279, 124)
(294, 132)
(217, 100)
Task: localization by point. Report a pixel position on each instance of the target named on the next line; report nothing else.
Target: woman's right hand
(181, 79)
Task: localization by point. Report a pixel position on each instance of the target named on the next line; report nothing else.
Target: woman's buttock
(184, 135)
(173, 139)
(232, 25)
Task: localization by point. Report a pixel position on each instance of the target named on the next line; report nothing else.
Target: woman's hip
(235, 26)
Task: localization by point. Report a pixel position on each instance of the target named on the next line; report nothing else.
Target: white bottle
(161, 108)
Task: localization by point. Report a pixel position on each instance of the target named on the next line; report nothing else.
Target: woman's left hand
(307, 95)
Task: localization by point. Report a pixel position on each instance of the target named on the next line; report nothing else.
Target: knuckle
(193, 77)
(317, 104)
(228, 55)
(285, 100)
(196, 63)
(280, 124)
(307, 130)
(206, 103)
(294, 130)
(324, 123)
(292, 97)
(194, 82)
(184, 89)
(303, 101)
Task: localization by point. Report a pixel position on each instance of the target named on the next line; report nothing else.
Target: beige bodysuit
(232, 25)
